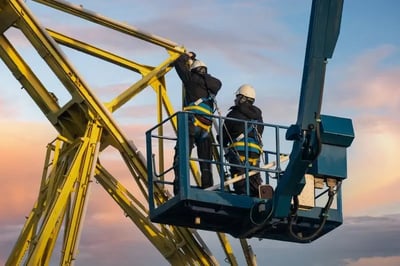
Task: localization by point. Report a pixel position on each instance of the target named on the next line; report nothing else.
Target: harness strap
(198, 109)
(251, 144)
(199, 101)
(201, 110)
(252, 161)
(200, 124)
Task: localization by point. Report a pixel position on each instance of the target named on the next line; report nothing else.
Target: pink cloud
(372, 167)
(23, 147)
(369, 84)
(381, 195)
(373, 261)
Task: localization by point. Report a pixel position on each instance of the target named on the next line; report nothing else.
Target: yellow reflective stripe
(252, 161)
(197, 107)
(198, 123)
(250, 145)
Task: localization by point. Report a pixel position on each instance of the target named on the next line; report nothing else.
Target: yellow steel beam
(99, 53)
(23, 73)
(248, 253)
(61, 194)
(71, 79)
(7, 18)
(79, 202)
(167, 244)
(48, 190)
(80, 11)
(151, 77)
(188, 245)
(22, 243)
(59, 204)
(227, 249)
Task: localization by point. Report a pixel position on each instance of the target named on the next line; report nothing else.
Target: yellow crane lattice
(86, 127)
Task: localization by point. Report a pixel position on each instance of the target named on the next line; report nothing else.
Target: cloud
(367, 239)
(23, 147)
(371, 175)
(387, 261)
(385, 198)
(21, 142)
(372, 235)
(368, 83)
(223, 33)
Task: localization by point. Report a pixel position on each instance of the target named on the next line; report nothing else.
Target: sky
(257, 42)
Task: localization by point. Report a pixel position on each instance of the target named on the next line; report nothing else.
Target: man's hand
(192, 55)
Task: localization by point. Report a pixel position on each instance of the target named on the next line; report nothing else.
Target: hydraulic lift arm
(323, 33)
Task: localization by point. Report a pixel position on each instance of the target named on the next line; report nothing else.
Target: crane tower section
(87, 126)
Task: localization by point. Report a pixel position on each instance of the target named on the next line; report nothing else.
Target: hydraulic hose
(324, 217)
(264, 220)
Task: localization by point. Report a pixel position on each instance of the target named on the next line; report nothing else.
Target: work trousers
(202, 140)
(254, 181)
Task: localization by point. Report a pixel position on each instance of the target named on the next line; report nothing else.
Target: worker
(200, 88)
(234, 139)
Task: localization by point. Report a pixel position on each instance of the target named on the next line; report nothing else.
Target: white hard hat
(246, 90)
(196, 64)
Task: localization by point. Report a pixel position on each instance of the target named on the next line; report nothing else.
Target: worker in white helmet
(234, 138)
(200, 88)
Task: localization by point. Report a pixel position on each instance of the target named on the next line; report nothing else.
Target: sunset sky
(257, 42)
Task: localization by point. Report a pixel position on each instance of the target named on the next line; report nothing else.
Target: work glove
(192, 55)
(192, 58)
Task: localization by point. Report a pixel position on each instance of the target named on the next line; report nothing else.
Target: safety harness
(202, 112)
(254, 144)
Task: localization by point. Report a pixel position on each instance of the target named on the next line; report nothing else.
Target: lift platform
(242, 216)
(307, 201)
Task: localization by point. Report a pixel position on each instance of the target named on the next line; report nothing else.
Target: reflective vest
(201, 110)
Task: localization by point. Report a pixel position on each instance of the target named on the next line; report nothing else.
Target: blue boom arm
(322, 36)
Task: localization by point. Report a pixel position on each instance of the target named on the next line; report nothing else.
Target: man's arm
(182, 68)
(213, 84)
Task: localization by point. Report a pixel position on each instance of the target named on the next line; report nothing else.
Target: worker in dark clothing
(200, 88)
(234, 139)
